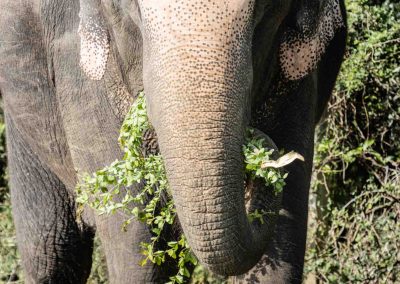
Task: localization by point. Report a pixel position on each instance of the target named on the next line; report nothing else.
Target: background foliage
(9, 260)
(355, 237)
(354, 234)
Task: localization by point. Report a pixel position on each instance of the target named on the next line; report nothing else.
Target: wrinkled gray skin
(210, 68)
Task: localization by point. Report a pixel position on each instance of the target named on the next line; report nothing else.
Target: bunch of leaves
(102, 191)
(256, 156)
(107, 190)
(356, 185)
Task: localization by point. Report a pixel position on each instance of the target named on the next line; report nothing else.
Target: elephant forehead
(170, 23)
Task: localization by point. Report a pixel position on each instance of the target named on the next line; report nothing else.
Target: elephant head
(199, 58)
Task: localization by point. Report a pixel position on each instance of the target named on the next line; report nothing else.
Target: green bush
(357, 163)
(9, 259)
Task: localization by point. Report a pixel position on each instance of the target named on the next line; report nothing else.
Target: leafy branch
(101, 189)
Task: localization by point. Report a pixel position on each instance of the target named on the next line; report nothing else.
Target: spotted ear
(311, 28)
(95, 43)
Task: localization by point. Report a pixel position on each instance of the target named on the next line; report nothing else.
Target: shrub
(357, 162)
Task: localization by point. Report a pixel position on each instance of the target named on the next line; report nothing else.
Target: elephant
(70, 70)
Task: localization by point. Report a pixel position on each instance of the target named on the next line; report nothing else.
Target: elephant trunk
(197, 71)
(200, 115)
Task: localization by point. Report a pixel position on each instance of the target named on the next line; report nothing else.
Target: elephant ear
(309, 31)
(95, 43)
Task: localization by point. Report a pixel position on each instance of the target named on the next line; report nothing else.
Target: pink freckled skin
(300, 55)
(94, 48)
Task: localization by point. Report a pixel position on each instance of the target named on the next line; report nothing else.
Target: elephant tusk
(282, 161)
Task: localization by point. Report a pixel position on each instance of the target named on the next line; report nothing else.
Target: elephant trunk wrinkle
(205, 170)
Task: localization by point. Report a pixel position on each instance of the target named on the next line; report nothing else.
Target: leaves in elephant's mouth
(103, 189)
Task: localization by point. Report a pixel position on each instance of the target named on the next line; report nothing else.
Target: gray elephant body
(200, 62)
